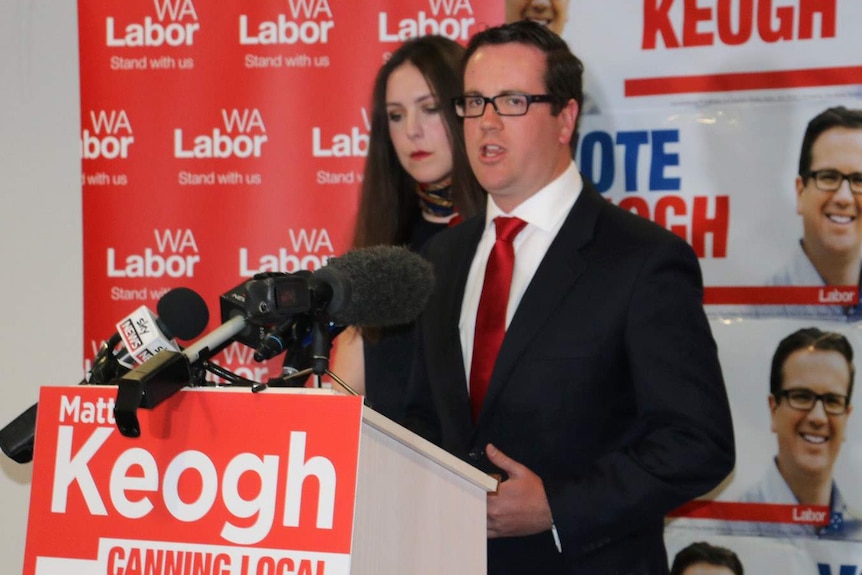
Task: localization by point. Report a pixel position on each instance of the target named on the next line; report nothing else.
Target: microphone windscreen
(183, 312)
(16, 439)
(378, 286)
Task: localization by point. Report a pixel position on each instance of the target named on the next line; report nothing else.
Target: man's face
(707, 569)
(809, 441)
(832, 221)
(515, 156)
(550, 13)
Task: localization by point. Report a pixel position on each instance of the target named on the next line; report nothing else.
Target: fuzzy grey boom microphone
(379, 286)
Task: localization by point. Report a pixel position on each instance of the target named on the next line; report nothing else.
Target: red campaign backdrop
(220, 139)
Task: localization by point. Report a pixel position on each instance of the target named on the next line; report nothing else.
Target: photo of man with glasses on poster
(829, 199)
(811, 383)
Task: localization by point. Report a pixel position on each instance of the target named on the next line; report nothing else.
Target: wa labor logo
(175, 24)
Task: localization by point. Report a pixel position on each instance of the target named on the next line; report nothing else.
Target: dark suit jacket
(607, 386)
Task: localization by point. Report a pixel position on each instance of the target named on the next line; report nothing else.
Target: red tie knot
(508, 228)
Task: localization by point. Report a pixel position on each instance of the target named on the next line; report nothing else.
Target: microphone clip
(148, 385)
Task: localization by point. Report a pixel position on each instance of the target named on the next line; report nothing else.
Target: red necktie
(491, 315)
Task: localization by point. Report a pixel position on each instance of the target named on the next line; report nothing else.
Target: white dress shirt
(545, 211)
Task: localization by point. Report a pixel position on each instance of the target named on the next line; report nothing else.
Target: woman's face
(416, 126)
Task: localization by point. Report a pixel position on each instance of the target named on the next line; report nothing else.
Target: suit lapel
(555, 277)
(451, 281)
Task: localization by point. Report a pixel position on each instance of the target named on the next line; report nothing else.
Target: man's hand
(520, 506)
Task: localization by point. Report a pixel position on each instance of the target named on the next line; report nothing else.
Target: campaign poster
(219, 481)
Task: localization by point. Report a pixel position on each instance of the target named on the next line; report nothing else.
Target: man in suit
(605, 407)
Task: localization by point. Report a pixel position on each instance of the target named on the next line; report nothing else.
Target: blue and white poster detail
(724, 122)
(723, 179)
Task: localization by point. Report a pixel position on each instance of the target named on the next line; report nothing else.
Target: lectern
(223, 481)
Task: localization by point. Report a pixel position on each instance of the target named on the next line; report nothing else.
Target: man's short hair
(809, 338)
(702, 552)
(837, 117)
(564, 73)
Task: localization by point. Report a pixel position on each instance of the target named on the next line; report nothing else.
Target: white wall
(41, 330)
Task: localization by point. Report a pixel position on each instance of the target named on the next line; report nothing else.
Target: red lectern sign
(220, 482)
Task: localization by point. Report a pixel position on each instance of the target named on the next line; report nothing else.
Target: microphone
(376, 286)
(285, 334)
(184, 315)
(166, 373)
(182, 312)
(16, 439)
(298, 356)
(380, 286)
(214, 341)
(288, 335)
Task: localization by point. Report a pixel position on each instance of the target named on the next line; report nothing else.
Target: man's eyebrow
(500, 93)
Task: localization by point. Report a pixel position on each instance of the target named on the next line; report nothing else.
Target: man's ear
(800, 187)
(568, 120)
(773, 405)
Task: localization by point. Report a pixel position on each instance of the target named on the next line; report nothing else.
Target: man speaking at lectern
(605, 406)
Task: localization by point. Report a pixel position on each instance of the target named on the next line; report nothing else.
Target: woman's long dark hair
(388, 202)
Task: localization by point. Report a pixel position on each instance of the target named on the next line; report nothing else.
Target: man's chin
(844, 246)
(816, 467)
(844, 250)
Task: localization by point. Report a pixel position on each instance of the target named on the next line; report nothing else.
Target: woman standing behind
(417, 181)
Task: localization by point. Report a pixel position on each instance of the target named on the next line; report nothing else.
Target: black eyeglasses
(830, 180)
(805, 400)
(473, 106)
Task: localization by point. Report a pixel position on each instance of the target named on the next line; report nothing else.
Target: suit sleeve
(419, 411)
(419, 414)
(682, 444)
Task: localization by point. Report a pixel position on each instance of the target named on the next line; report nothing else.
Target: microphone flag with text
(378, 286)
(144, 334)
(182, 314)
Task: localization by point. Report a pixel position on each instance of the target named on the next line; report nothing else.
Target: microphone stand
(321, 344)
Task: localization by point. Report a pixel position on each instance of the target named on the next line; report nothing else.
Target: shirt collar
(546, 208)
